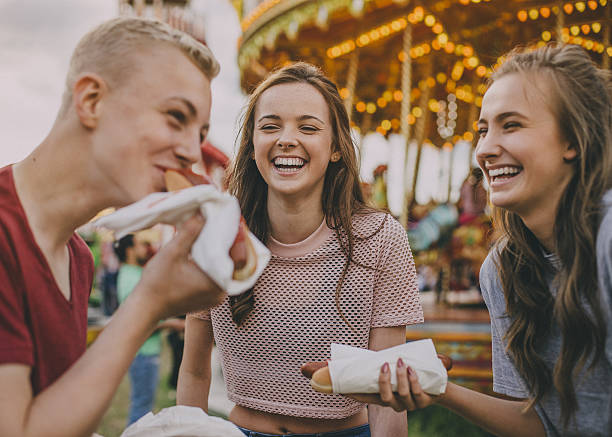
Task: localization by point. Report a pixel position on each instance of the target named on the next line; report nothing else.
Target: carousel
(412, 75)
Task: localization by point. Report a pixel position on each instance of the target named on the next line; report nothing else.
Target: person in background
(340, 271)
(137, 101)
(133, 253)
(545, 147)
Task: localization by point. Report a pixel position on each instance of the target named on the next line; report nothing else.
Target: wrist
(148, 308)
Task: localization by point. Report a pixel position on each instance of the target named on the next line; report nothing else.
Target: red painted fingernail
(410, 371)
(385, 368)
(400, 362)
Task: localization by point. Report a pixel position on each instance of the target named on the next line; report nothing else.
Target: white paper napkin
(355, 370)
(211, 249)
(182, 421)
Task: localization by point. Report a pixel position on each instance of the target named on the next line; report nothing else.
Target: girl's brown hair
(342, 196)
(580, 101)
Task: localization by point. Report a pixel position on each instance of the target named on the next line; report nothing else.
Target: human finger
(420, 398)
(384, 384)
(187, 233)
(403, 386)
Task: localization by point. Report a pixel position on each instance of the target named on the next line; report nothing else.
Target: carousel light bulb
(417, 112)
(586, 29)
(575, 30)
(596, 27)
(534, 14)
(546, 35)
(437, 28)
(545, 12)
(568, 8)
(481, 70)
(592, 4)
(522, 15)
(357, 7)
(322, 17)
(292, 30)
(360, 106)
(580, 6)
(370, 108)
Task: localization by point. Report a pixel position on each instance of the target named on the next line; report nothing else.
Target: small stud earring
(335, 157)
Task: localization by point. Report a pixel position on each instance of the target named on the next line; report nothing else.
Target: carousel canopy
(437, 52)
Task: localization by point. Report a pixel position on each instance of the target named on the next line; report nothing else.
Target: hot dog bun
(245, 269)
(242, 251)
(321, 381)
(176, 181)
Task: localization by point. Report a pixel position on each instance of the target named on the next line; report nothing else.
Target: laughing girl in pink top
(340, 271)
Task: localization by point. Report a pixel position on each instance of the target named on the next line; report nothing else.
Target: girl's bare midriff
(278, 424)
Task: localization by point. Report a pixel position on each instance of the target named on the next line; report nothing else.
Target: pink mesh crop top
(295, 317)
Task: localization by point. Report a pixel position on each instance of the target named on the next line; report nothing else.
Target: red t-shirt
(38, 326)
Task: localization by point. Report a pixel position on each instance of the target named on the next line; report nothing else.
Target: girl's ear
(335, 157)
(570, 153)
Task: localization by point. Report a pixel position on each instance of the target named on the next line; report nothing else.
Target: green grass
(433, 421)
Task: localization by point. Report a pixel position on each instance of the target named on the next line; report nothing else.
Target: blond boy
(137, 102)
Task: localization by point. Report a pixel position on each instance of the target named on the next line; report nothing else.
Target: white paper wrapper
(211, 249)
(181, 421)
(355, 370)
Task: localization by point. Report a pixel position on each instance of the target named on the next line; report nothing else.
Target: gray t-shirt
(594, 388)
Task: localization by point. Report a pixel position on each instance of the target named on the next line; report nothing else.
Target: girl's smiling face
(292, 139)
(521, 150)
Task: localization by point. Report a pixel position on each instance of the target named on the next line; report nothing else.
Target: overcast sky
(36, 40)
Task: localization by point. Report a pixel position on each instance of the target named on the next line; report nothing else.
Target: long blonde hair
(581, 104)
(342, 196)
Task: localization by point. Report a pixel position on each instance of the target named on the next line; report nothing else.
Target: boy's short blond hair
(109, 49)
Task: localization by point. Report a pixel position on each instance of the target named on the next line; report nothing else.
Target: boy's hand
(175, 283)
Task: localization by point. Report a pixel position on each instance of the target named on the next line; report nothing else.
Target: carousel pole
(423, 121)
(421, 124)
(605, 63)
(351, 82)
(560, 21)
(406, 82)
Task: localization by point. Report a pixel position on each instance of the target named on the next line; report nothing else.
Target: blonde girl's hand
(409, 396)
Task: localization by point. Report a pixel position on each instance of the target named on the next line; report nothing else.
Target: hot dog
(242, 251)
(320, 378)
